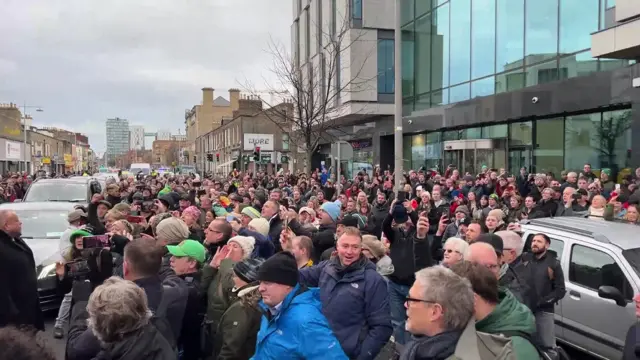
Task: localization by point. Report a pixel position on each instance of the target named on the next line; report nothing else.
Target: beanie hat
(192, 211)
(251, 212)
(261, 226)
(281, 268)
(247, 243)
(399, 214)
(172, 230)
(493, 240)
(332, 209)
(247, 269)
(463, 209)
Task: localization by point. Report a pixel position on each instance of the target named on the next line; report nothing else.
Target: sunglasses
(449, 251)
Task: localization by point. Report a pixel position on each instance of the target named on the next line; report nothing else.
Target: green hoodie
(511, 315)
(164, 190)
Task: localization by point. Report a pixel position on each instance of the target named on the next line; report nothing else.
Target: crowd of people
(307, 266)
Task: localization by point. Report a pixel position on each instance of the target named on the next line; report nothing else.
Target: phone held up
(95, 241)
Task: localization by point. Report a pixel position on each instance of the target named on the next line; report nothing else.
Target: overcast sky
(84, 61)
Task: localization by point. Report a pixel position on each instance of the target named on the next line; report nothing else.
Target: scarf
(358, 264)
(436, 347)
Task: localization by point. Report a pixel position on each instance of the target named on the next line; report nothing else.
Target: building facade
(136, 137)
(163, 135)
(232, 145)
(117, 137)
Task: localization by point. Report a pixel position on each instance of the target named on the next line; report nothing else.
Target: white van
(136, 168)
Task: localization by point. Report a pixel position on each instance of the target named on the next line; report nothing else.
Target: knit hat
(247, 269)
(260, 225)
(332, 209)
(172, 230)
(281, 268)
(192, 211)
(374, 246)
(493, 240)
(399, 214)
(463, 209)
(247, 243)
(251, 212)
(497, 213)
(308, 210)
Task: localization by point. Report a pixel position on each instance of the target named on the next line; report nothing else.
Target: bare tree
(608, 134)
(314, 85)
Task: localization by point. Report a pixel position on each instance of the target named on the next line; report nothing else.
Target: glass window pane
(483, 38)
(520, 133)
(495, 132)
(471, 133)
(417, 151)
(356, 9)
(423, 51)
(406, 151)
(612, 64)
(580, 64)
(407, 106)
(580, 140)
(578, 19)
(407, 11)
(386, 66)
(541, 30)
(423, 7)
(614, 136)
(549, 146)
(451, 135)
(459, 93)
(610, 3)
(423, 102)
(510, 34)
(510, 81)
(408, 60)
(440, 97)
(483, 87)
(543, 73)
(460, 41)
(440, 49)
(433, 154)
(593, 268)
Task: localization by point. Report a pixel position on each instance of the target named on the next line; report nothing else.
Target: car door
(558, 247)
(591, 322)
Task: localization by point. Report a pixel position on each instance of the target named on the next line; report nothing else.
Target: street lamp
(24, 127)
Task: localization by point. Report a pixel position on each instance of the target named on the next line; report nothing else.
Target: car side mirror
(612, 293)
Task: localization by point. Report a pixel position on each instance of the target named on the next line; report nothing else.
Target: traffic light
(209, 157)
(218, 157)
(256, 154)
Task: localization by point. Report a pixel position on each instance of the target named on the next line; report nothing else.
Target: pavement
(57, 345)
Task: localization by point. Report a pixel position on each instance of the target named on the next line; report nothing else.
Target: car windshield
(145, 171)
(43, 223)
(633, 257)
(57, 191)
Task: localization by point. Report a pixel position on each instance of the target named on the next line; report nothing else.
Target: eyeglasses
(410, 299)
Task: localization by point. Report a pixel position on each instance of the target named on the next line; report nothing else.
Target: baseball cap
(76, 215)
(190, 248)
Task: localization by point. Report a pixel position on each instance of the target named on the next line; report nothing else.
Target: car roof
(75, 180)
(39, 205)
(620, 234)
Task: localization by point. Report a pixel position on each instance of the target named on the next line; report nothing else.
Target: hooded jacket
(546, 278)
(509, 316)
(355, 301)
(239, 325)
(297, 331)
(147, 343)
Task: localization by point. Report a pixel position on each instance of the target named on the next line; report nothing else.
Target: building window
(334, 16)
(285, 141)
(308, 34)
(386, 66)
(541, 30)
(356, 9)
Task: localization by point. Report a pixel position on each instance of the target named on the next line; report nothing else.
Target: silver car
(601, 265)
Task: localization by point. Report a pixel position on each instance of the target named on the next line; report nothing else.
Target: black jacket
(189, 339)
(408, 253)
(19, 302)
(146, 343)
(82, 344)
(632, 343)
(275, 228)
(546, 279)
(378, 213)
(519, 288)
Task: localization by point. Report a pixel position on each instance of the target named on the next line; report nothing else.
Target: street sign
(265, 157)
(263, 141)
(284, 159)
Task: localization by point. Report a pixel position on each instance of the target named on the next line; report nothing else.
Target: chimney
(207, 96)
(234, 98)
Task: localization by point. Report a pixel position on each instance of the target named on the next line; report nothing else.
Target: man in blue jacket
(354, 297)
(292, 326)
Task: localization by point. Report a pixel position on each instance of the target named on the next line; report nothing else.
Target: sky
(84, 61)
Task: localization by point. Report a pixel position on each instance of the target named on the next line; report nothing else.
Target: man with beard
(541, 269)
(379, 212)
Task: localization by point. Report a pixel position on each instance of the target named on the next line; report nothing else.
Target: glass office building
(511, 83)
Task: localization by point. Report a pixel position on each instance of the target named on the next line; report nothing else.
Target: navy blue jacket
(263, 247)
(356, 304)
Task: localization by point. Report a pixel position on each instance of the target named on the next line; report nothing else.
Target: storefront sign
(12, 150)
(361, 144)
(265, 157)
(263, 141)
(68, 160)
(46, 161)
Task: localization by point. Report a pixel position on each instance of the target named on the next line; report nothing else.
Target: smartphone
(95, 241)
(618, 188)
(135, 219)
(76, 268)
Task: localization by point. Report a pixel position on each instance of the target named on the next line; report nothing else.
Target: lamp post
(24, 129)
(397, 121)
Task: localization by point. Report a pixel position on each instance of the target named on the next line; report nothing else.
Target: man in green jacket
(503, 324)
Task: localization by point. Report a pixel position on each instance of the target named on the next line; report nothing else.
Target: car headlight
(47, 271)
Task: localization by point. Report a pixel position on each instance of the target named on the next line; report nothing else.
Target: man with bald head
(19, 303)
(483, 254)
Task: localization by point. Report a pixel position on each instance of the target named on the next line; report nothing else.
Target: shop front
(12, 156)
(68, 162)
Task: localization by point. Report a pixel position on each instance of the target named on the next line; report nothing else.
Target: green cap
(78, 232)
(190, 248)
